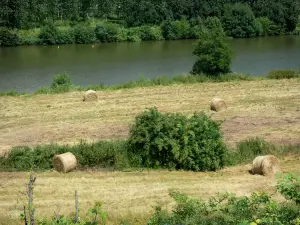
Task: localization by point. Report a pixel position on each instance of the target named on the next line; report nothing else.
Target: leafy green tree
(214, 55)
(239, 21)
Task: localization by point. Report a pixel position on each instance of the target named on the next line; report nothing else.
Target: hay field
(266, 108)
(126, 195)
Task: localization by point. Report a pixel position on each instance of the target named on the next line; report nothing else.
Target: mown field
(268, 108)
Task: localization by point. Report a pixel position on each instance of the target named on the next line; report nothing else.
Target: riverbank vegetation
(76, 21)
(62, 82)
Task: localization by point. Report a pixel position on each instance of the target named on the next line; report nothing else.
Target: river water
(28, 68)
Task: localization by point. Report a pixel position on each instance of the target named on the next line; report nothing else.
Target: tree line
(280, 15)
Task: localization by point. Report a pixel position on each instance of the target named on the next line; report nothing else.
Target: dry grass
(127, 195)
(267, 108)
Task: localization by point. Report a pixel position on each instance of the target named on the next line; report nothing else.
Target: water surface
(27, 68)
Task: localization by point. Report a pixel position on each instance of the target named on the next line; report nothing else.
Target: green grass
(283, 74)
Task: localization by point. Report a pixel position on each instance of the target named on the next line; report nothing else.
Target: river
(27, 68)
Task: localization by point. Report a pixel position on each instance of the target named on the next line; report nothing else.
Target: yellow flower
(253, 223)
(258, 221)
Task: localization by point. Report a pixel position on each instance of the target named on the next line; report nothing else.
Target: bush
(48, 34)
(213, 53)
(8, 37)
(239, 21)
(175, 141)
(61, 80)
(227, 209)
(268, 27)
(108, 32)
(173, 30)
(150, 33)
(29, 37)
(289, 187)
(84, 34)
(100, 154)
(247, 150)
(65, 36)
(283, 74)
(133, 35)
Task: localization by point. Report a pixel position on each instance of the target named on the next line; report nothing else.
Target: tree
(239, 21)
(212, 50)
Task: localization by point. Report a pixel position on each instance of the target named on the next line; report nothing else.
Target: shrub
(169, 30)
(239, 21)
(247, 150)
(48, 34)
(175, 141)
(283, 74)
(61, 80)
(226, 209)
(8, 37)
(133, 35)
(268, 27)
(213, 53)
(100, 154)
(65, 35)
(107, 32)
(150, 33)
(29, 37)
(84, 34)
(289, 187)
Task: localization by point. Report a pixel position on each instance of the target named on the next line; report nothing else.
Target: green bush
(29, 37)
(150, 33)
(227, 209)
(239, 20)
(175, 141)
(107, 32)
(173, 30)
(289, 187)
(65, 35)
(133, 35)
(100, 154)
(48, 34)
(283, 74)
(214, 56)
(84, 34)
(268, 27)
(8, 37)
(247, 150)
(61, 80)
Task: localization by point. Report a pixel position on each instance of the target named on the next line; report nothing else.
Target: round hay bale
(256, 165)
(64, 162)
(218, 104)
(265, 165)
(90, 96)
(270, 165)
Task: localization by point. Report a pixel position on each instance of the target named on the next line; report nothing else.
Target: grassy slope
(266, 108)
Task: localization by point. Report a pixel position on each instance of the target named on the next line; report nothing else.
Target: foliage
(99, 154)
(8, 37)
(48, 34)
(29, 37)
(239, 20)
(176, 141)
(84, 34)
(289, 187)
(247, 150)
(65, 35)
(61, 80)
(107, 32)
(227, 209)
(267, 27)
(150, 33)
(213, 53)
(283, 74)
